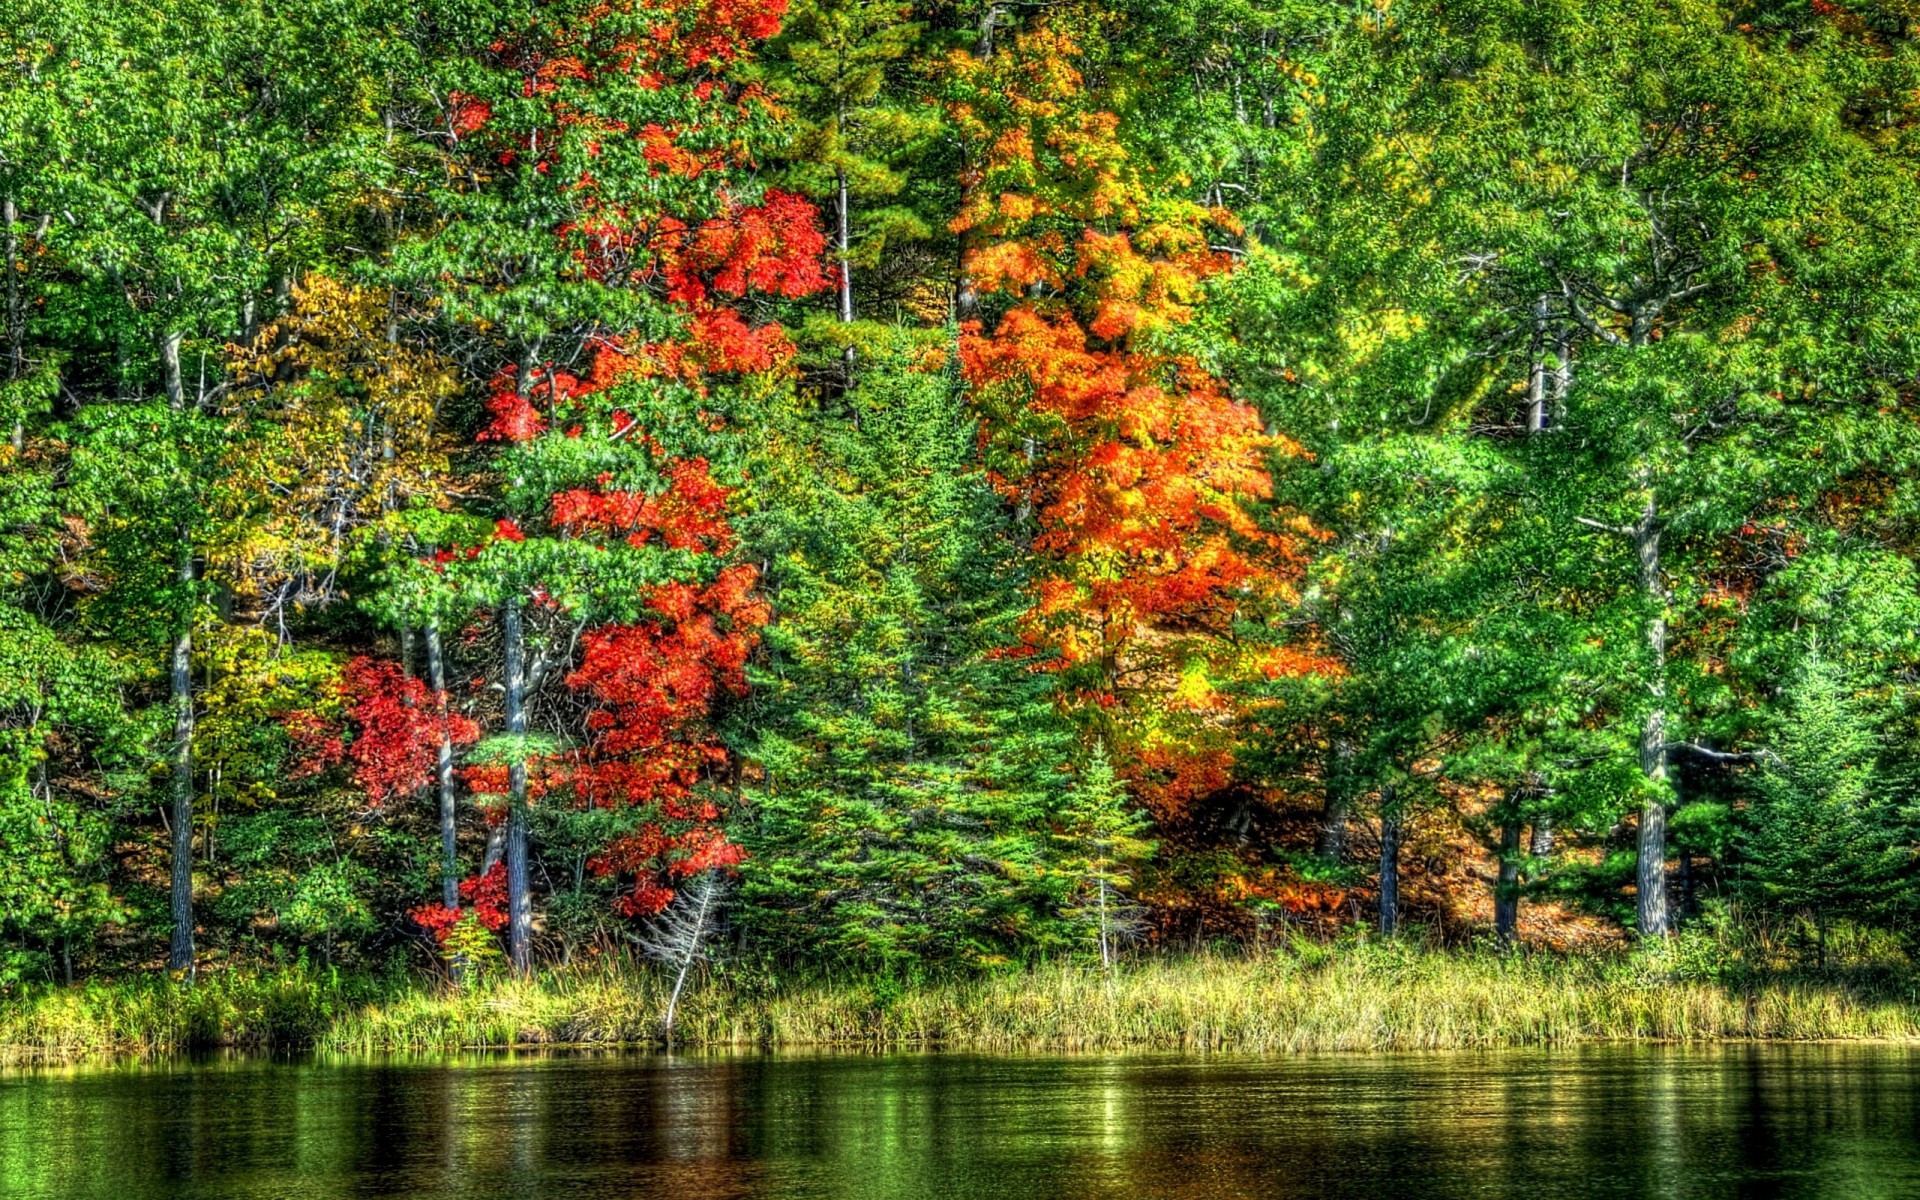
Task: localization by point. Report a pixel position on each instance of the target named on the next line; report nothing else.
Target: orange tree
(1144, 482)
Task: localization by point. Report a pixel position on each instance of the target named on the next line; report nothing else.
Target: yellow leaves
(1363, 336)
(351, 409)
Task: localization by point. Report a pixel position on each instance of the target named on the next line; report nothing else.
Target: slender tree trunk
(843, 241)
(519, 897)
(983, 44)
(449, 812)
(16, 313)
(1106, 944)
(170, 371)
(696, 937)
(1506, 888)
(1540, 842)
(1651, 873)
(1392, 825)
(1562, 379)
(180, 953)
(843, 238)
(1332, 843)
(1537, 376)
(496, 848)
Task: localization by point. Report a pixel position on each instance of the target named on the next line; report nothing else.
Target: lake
(1746, 1121)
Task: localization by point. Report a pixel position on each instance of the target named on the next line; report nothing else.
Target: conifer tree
(1099, 839)
(1824, 836)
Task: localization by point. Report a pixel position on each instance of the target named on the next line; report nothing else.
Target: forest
(927, 489)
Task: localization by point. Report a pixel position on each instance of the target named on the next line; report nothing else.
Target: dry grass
(1358, 998)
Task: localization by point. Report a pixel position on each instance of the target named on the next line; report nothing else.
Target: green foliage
(910, 764)
(1827, 834)
(1098, 836)
(1587, 334)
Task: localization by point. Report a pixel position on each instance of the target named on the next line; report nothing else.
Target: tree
(906, 759)
(681, 935)
(1143, 480)
(1099, 840)
(589, 233)
(853, 134)
(1824, 836)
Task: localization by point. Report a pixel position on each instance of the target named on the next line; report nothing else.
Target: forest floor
(1367, 997)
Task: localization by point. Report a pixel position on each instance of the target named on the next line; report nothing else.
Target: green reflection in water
(1745, 1121)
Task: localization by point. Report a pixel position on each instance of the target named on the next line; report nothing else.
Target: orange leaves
(775, 247)
(1147, 482)
(1150, 474)
(1144, 475)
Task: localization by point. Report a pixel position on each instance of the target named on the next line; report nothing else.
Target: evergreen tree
(1099, 842)
(1824, 836)
(911, 754)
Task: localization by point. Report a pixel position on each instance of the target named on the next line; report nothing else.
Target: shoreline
(1365, 999)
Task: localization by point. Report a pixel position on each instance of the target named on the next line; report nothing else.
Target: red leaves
(690, 515)
(723, 343)
(465, 113)
(653, 685)
(775, 247)
(397, 722)
(486, 894)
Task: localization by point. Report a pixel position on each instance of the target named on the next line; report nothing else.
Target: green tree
(911, 755)
(1098, 841)
(1824, 836)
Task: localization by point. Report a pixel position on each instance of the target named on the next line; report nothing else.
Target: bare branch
(1622, 530)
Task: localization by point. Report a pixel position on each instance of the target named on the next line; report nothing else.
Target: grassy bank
(1352, 999)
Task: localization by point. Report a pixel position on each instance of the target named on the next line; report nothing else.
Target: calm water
(1627, 1122)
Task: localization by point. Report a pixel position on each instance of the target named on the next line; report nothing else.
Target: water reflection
(1745, 1121)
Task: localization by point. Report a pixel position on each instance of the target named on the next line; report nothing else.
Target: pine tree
(1099, 842)
(909, 750)
(1823, 836)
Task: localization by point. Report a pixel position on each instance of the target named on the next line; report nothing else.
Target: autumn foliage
(1146, 481)
(659, 209)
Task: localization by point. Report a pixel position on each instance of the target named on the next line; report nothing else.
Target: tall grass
(1355, 998)
(277, 1007)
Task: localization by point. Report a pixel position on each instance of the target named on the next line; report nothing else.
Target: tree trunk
(449, 812)
(1562, 379)
(1332, 842)
(1650, 876)
(1392, 824)
(1506, 888)
(519, 899)
(496, 848)
(180, 953)
(1537, 375)
(1106, 945)
(843, 238)
(1540, 842)
(16, 312)
(170, 371)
